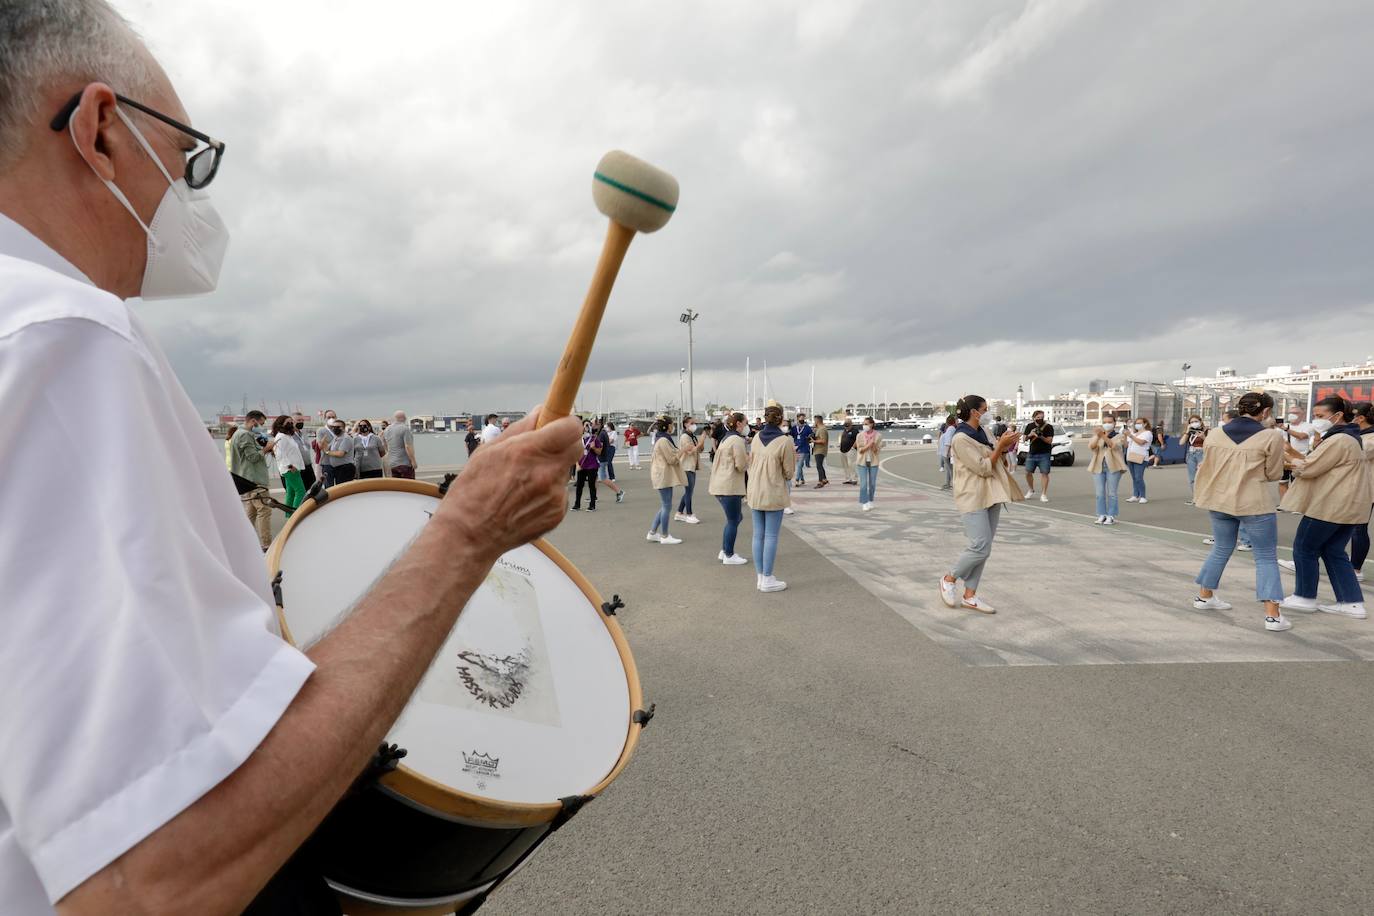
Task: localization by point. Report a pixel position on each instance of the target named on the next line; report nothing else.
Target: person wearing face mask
(287, 452)
(868, 447)
(165, 748)
(250, 462)
(1243, 458)
(307, 453)
(1194, 438)
(771, 464)
(368, 451)
(690, 451)
(848, 435)
(1106, 468)
(820, 445)
(340, 453)
(1301, 436)
(982, 485)
(1039, 454)
(802, 434)
(942, 450)
(323, 436)
(728, 485)
(1138, 441)
(1330, 490)
(665, 472)
(1363, 413)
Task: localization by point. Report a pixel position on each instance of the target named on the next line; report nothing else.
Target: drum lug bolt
(610, 607)
(641, 717)
(276, 588)
(448, 482)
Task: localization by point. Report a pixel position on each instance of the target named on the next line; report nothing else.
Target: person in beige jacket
(690, 446)
(1240, 461)
(727, 484)
(1359, 544)
(867, 447)
(982, 484)
(772, 460)
(1106, 468)
(1330, 489)
(665, 472)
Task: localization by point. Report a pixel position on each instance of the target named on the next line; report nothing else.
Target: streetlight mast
(687, 317)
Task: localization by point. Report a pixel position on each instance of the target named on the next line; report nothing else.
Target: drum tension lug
(641, 717)
(571, 805)
(386, 759)
(449, 478)
(610, 607)
(276, 588)
(318, 493)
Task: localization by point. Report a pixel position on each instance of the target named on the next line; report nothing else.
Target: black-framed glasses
(200, 168)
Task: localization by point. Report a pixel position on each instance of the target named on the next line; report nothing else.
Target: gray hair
(46, 42)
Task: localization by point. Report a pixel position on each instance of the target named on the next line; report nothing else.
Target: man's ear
(92, 126)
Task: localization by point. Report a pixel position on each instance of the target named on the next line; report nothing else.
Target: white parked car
(1061, 451)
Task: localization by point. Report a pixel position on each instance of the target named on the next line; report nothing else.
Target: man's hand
(513, 490)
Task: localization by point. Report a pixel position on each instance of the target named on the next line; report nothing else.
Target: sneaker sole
(980, 610)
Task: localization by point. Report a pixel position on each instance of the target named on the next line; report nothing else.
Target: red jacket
(631, 436)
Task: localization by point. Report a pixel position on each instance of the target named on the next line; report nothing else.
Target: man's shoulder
(32, 294)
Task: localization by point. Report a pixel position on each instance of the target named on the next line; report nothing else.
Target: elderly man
(165, 751)
(400, 447)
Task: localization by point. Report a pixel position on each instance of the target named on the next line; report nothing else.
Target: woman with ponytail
(727, 484)
(665, 472)
(982, 484)
(772, 461)
(1331, 491)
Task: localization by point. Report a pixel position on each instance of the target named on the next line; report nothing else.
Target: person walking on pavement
(1194, 438)
(848, 434)
(632, 445)
(942, 450)
(690, 452)
(771, 464)
(1106, 468)
(820, 445)
(1039, 454)
(665, 472)
(286, 451)
(605, 473)
(1138, 443)
(982, 485)
(587, 467)
(1243, 458)
(801, 440)
(250, 463)
(727, 484)
(1330, 489)
(868, 446)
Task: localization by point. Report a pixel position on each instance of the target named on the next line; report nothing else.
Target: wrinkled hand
(513, 490)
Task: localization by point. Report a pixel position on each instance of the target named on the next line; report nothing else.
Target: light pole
(680, 373)
(687, 317)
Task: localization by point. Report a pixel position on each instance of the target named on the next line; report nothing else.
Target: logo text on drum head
(496, 681)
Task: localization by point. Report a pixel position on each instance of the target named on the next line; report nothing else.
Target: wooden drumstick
(636, 197)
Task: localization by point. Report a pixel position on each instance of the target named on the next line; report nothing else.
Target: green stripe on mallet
(634, 192)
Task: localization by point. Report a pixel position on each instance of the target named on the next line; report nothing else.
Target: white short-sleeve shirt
(140, 663)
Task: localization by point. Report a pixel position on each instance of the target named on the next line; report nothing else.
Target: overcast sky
(924, 198)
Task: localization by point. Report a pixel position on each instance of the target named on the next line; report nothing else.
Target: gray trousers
(981, 528)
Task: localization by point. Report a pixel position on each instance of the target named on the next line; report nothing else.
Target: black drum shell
(382, 845)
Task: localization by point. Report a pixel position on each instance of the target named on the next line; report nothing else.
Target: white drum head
(527, 701)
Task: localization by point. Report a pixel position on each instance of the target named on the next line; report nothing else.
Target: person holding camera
(1243, 457)
(1040, 436)
(250, 462)
(1139, 441)
(982, 485)
(1194, 439)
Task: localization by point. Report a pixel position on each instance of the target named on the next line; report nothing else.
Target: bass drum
(531, 707)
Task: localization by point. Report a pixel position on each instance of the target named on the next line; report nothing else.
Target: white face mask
(1321, 425)
(868, 427)
(1294, 418)
(1109, 426)
(186, 239)
(1139, 427)
(1195, 424)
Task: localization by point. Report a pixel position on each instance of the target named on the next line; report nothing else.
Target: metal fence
(1171, 405)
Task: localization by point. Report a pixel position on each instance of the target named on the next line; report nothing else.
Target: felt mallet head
(633, 193)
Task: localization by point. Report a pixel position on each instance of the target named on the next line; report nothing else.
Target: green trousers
(295, 489)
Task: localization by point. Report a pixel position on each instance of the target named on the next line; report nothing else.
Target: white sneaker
(1288, 565)
(1359, 575)
(866, 507)
(1345, 609)
(735, 560)
(1294, 603)
(653, 536)
(1142, 500)
(978, 604)
(1044, 498)
(1132, 499)
(721, 556)
(691, 519)
(669, 539)
(1111, 520)
(1209, 540)
(1278, 624)
(1245, 548)
(1101, 520)
(1210, 604)
(770, 584)
(1029, 494)
(949, 592)
(788, 511)
(679, 517)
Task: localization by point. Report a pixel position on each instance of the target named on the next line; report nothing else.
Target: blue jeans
(1194, 462)
(1263, 534)
(734, 514)
(665, 511)
(1105, 486)
(684, 505)
(1137, 479)
(607, 469)
(1328, 540)
(803, 461)
(767, 524)
(868, 481)
(947, 464)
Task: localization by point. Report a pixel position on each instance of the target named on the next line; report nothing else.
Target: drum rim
(429, 793)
